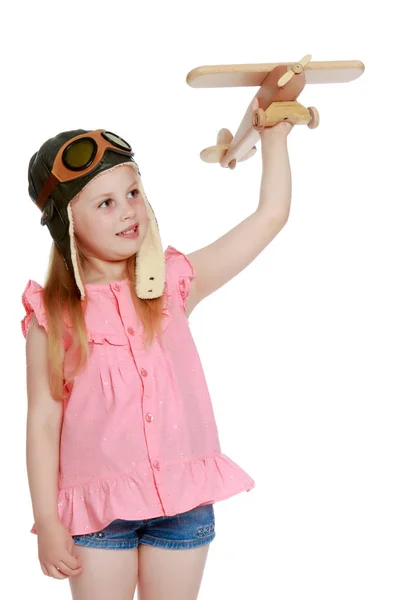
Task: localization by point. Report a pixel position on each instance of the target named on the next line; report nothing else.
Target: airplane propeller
(296, 68)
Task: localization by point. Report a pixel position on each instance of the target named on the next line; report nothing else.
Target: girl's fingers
(68, 570)
(71, 561)
(54, 572)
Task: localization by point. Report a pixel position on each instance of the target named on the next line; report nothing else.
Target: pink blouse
(139, 437)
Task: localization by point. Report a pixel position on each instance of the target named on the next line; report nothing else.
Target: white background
(300, 350)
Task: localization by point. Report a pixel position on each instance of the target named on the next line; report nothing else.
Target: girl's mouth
(131, 233)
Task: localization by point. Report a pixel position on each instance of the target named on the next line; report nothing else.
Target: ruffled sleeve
(32, 299)
(180, 273)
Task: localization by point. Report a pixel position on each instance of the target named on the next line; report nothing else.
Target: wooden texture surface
(254, 74)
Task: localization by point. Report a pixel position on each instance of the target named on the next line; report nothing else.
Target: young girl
(123, 456)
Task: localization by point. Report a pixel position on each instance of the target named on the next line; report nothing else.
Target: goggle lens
(116, 140)
(79, 154)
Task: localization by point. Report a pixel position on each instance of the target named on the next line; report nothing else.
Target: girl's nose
(128, 212)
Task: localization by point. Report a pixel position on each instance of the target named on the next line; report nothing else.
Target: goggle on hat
(60, 169)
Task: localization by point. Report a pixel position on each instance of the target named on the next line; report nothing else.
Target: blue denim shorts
(185, 530)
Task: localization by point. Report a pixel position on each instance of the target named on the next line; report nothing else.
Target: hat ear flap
(150, 260)
(74, 253)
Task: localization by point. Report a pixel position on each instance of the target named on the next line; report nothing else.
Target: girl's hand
(281, 129)
(56, 551)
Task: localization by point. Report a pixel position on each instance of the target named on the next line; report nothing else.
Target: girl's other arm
(44, 418)
(220, 261)
(55, 544)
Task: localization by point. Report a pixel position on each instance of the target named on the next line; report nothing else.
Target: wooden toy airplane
(276, 100)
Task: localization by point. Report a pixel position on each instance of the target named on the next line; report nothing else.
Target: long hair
(62, 304)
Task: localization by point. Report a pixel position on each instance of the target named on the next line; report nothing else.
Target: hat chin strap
(150, 260)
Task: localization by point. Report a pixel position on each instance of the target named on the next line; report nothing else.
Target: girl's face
(108, 205)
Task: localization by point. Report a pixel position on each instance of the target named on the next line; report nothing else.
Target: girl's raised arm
(220, 261)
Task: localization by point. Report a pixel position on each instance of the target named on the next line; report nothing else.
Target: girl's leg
(106, 574)
(170, 574)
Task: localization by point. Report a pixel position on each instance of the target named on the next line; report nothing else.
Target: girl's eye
(108, 200)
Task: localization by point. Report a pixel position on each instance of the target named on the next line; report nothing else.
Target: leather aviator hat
(60, 169)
